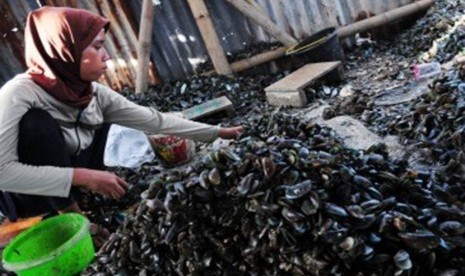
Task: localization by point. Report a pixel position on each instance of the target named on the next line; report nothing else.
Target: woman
(54, 118)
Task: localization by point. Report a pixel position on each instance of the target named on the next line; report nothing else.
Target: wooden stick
(129, 30)
(118, 80)
(247, 63)
(116, 75)
(384, 18)
(256, 15)
(126, 24)
(210, 37)
(124, 48)
(143, 49)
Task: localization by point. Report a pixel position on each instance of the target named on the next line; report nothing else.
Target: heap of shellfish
(289, 199)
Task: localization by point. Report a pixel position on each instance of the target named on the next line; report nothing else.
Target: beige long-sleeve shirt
(21, 94)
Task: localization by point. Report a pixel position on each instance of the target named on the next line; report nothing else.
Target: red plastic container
(172, 150)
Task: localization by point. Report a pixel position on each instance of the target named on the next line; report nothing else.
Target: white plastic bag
(127, 147)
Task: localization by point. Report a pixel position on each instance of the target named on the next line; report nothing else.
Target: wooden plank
(210, 37)
(259, 17)
(302, 76)
(208, 108)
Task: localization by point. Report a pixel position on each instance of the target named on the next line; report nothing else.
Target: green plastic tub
(60, 245)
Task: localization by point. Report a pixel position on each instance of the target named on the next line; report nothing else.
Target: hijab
(55, 38)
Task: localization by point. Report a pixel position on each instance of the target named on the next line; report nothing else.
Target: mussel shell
(298, 190)
(243, 166)
(289, 177)
(268, 167)
(335, 210)
(355, 211)
(270, 208)
(245, 184)
(452, 228)
(402, 260)
(291, 215)
(362, 181)
(422, 240)
(203, 180)
(214, 176)
(311, 205)
(348, 243)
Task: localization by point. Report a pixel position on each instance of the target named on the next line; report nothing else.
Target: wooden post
(117, 80)
(263, 21)
(143, 48)
(250, 62)
(210, 37)
(129, 30)
(124, 47)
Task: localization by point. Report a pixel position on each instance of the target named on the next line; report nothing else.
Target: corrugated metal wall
(177, 47)
(13, 16)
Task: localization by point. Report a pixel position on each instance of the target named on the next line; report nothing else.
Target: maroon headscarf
(55, 38)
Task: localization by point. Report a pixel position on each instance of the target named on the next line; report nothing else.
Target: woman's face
(94, 58)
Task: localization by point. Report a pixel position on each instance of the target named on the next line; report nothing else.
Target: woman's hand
(231, 132)
(101, 182)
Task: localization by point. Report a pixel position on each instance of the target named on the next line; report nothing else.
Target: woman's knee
(40, 140)
(37, 123)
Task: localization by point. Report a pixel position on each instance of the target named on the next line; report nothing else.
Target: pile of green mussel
(289, 199)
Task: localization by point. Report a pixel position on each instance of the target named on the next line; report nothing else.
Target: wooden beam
(144, 46)
(210, 37)
(258, 59)
(123, 13)
(256, 15)
(117, 79)
(118, 31)
(384, 18)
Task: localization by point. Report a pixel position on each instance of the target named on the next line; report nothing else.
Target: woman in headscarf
(54, 118)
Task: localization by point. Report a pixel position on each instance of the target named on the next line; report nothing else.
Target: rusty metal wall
(177, 46)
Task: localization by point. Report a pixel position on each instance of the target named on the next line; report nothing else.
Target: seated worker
(54, 118)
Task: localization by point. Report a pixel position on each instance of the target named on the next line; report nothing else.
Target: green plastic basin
(60, 245)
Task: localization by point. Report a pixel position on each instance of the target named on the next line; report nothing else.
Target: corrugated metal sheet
(121, 39)
(177, 46)
(13, 15)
